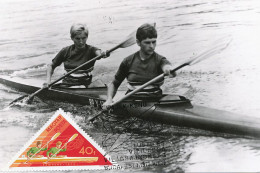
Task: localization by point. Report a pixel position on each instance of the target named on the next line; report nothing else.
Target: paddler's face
(80, 40)
(58, 145)
(147, 45)
(39, 145)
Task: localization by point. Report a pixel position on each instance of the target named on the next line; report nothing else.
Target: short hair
(146, 31)
(38, 143)
(77, 29)
(59, 143)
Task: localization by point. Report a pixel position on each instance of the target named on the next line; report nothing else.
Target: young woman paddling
(73, 56)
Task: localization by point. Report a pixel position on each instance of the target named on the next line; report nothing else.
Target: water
(32, 32)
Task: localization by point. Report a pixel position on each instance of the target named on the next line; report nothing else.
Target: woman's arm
(50, 70)
(111, 92)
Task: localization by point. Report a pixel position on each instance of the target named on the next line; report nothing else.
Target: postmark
(131, 151)
(61, 145)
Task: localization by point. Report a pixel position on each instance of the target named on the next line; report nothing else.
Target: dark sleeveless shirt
(73, 59)
(139, 71)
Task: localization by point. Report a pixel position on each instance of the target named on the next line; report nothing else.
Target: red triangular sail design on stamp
(61, 145)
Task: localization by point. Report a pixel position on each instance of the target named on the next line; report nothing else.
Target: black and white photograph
(167, 86)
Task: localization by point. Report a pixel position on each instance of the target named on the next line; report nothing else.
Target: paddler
(34, 150)
(54, 151)
(141, 67)
(73, 56)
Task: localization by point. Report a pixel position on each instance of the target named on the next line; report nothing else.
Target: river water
(32, 32)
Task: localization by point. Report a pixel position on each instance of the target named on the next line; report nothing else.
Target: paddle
(71, 139)
(217, 49)
(54, 137)
(130, 40)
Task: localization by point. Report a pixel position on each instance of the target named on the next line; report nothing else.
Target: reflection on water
(33, 32)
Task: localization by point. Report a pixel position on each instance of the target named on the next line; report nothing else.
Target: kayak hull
(170, 109)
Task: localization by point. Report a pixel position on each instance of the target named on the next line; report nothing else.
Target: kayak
(170, 109)
(57, 159)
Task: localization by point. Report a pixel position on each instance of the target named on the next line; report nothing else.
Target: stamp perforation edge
(67, 116)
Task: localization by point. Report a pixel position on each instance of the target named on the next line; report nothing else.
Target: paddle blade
(28, 100)
(21, 101)
(73, 137)
(18, 100)
(55, 136)
(130, 40)
(219, 47)
(95, 116)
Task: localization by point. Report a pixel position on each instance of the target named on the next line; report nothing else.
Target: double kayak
(169, 109)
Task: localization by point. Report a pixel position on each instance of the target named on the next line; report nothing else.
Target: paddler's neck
(77, 49)
(144, 56)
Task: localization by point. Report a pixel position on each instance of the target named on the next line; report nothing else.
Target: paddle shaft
(71, 139)
(59, 150)
(146, 84)
(72, 71)
(54, 137)
(77, 68)
(38, 150)
(140, 88)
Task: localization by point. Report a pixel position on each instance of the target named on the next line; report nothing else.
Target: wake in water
(30, 72)
(24, 71)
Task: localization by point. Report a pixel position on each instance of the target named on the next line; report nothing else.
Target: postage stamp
(60, 145)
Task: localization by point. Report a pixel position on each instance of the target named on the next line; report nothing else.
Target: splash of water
(17, 103)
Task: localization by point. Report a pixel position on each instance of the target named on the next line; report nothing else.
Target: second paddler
(141, 67)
